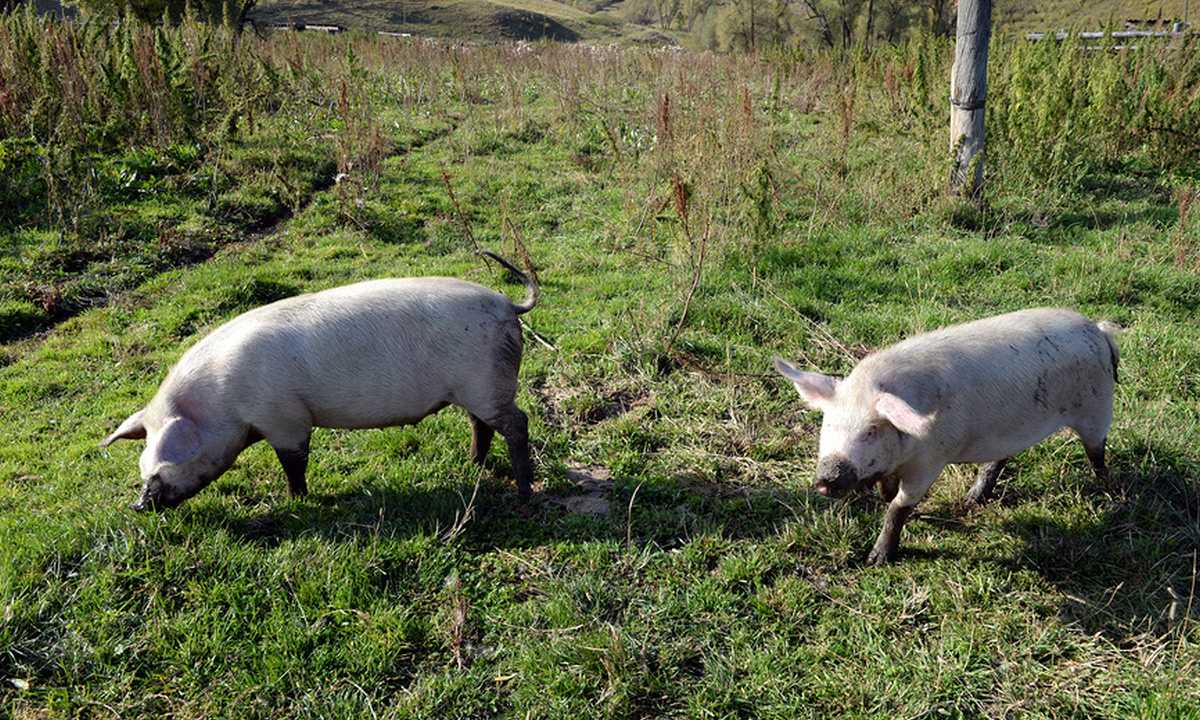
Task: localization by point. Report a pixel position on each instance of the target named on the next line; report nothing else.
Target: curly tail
(532, 293)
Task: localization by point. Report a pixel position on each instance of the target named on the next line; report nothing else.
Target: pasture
(687, 216)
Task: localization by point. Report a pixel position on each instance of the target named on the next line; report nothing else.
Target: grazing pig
(977, 392)
(373, 354)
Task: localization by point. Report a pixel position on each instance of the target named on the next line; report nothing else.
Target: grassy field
(687, 216)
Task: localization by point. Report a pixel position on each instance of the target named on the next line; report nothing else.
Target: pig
(373, 354)
(978, 392)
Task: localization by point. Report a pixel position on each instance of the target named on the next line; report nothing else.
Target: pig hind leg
(513, 426)
(1093, 437)
(985, 482)
(1095, 456)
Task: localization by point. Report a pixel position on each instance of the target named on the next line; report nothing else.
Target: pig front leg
(913, 481)
(481, 439)
(985, 482)
(887, 546)
(295, 466)
(888, 486)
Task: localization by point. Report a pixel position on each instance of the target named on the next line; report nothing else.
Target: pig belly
(375, 405)
(987, 448)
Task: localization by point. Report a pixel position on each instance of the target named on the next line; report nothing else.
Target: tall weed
(1059, 112)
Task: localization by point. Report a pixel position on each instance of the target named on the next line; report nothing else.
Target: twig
(537, 336)
(462, 219)
(825, 334)
(629, 515)
(697, 271)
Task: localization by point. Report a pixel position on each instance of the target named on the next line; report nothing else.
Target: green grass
(688, 216)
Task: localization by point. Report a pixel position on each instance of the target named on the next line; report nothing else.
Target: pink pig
(978, 392)
(373, 354)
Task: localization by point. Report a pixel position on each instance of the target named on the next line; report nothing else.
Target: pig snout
(156, 495)
(836, 476)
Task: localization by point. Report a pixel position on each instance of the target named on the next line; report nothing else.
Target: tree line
(737, 25)
(233, 12)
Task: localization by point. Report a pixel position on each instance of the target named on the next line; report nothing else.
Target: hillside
(468, 19)
(547, 19)
(536, 19)
(1051, 15)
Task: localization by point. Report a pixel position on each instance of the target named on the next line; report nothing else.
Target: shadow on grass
(665, 512)
(1133, 563)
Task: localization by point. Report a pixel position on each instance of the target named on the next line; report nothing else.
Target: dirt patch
(590, 405)
(591, 484)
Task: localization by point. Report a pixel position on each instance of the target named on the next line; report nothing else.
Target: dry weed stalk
(460, 518)
(460, 610)
(1184, 242)
(463, 222)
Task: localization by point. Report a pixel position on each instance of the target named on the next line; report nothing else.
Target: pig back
(999, 385)
(372, 354)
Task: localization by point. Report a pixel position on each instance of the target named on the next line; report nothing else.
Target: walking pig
(373, 354)
(979, 392)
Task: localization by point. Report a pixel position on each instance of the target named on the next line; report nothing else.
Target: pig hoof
(971, 500)
(882, 557)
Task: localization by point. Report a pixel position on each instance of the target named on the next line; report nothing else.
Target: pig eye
(872, 434)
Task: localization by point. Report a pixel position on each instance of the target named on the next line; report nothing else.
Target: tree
(744, 24)
(843, 24)
(235, 12)
(693, 10)
(667, 10)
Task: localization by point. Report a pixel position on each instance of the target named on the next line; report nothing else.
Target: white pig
(979, 392)
(373, 354)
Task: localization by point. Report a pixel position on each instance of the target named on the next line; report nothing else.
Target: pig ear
(178, 441)
(131, 429)
(816, 389)
(902, 415)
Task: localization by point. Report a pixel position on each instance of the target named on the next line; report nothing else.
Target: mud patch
(591, 484)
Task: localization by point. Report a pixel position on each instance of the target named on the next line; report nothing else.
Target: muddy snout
(836, 476)
(155, 497)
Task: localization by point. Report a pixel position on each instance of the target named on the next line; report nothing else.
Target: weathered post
(968, 94)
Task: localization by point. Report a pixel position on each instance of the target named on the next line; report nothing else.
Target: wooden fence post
(968, 93)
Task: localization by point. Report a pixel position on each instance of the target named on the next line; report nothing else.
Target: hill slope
(1052, 15)
(487, 20)
(467, 19)
(537, 19)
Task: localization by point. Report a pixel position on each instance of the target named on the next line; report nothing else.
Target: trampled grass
(687, 216)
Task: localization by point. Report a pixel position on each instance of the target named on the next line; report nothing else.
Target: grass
(688, 216)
